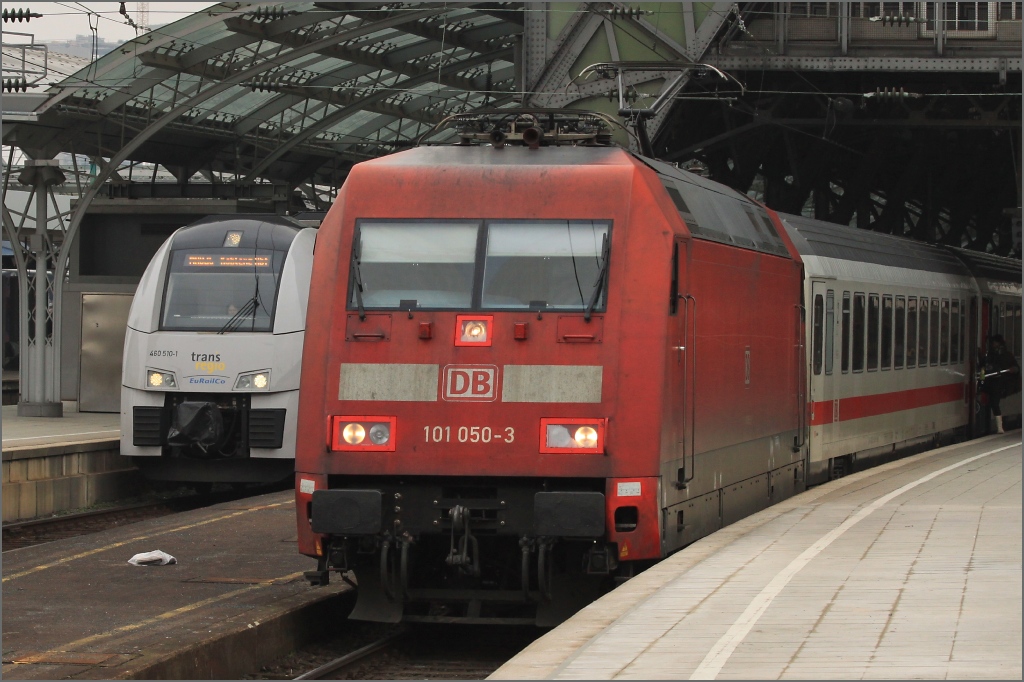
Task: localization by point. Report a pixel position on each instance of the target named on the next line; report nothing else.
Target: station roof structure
(287, 93)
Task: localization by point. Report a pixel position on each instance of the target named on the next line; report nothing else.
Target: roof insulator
(272, 13)
(20, 15)
(898, 20)
(15, 85)
(625, 12)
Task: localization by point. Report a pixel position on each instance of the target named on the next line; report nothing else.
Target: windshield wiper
(357, 280)
(602, 276)
(248, 309)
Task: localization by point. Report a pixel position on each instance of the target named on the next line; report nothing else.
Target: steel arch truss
(265, 95)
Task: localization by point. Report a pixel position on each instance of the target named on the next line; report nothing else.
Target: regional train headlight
(362, 433)
(572, 435)
(157, 378)
(253, 381)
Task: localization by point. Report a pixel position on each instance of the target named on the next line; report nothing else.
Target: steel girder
(942, 167)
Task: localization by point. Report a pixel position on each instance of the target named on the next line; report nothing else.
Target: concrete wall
(38, 481)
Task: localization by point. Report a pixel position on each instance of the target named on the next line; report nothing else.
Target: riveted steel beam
(832, 64)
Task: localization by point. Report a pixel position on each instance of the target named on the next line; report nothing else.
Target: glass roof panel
(374, 75)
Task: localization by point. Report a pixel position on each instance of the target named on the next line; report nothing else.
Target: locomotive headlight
(354, 434)
(586, 437)
(156, 378)
(253, 381)
(572, 435)
(473, 330)
(379, 434)
(362, 433)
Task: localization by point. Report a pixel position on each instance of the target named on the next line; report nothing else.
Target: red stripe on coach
(885, 403)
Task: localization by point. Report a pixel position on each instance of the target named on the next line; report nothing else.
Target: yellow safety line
(136, 539)
(71, 646)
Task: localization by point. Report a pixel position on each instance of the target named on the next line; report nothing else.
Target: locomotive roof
(485, 155)
(269, 230)
(828, 240)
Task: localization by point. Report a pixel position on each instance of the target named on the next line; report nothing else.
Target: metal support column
(844, 28)
(40, 390)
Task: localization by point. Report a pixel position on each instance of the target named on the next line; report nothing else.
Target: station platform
(52, 465)
(908, 570)
(235, 600)
(73, 427)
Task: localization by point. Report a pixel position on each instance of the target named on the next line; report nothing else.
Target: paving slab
(909, 570)
(235, 599)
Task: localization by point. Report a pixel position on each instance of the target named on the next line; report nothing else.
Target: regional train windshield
(222, 290)
(499, 265)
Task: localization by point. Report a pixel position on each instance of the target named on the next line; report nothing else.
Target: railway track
(372, 651)
(20, 534)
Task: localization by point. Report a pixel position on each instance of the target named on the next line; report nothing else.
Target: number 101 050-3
(468, 434)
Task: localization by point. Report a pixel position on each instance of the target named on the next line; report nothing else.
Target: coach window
(954, 329)
(944, 333)
(873, 332)
(922, 335)
(933, 333)
(911, 331)
(858, 332)
(964, 339)
(830, 325)
(901, 330)
(819, 315)
(886, 332)
(846, 332)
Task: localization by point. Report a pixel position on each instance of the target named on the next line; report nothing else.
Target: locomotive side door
(824, 397)
(682, 365)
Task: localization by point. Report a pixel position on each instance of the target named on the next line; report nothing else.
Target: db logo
(470, 383)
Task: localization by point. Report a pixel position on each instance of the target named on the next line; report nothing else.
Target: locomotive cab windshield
(223, 276)
(221, 289)
(500, 265)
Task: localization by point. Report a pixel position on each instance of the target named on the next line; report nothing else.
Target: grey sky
(63, 20)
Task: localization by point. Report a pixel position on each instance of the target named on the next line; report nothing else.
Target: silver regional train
(211, 358)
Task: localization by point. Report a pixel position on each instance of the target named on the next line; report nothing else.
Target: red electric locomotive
(529, 370)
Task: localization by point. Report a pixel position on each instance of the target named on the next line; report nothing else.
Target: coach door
(824, 328)
(682, 364)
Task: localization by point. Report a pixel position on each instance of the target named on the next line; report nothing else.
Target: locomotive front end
(212, 352)
(460, 397)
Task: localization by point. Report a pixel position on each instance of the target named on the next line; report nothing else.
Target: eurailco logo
(470, 383)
